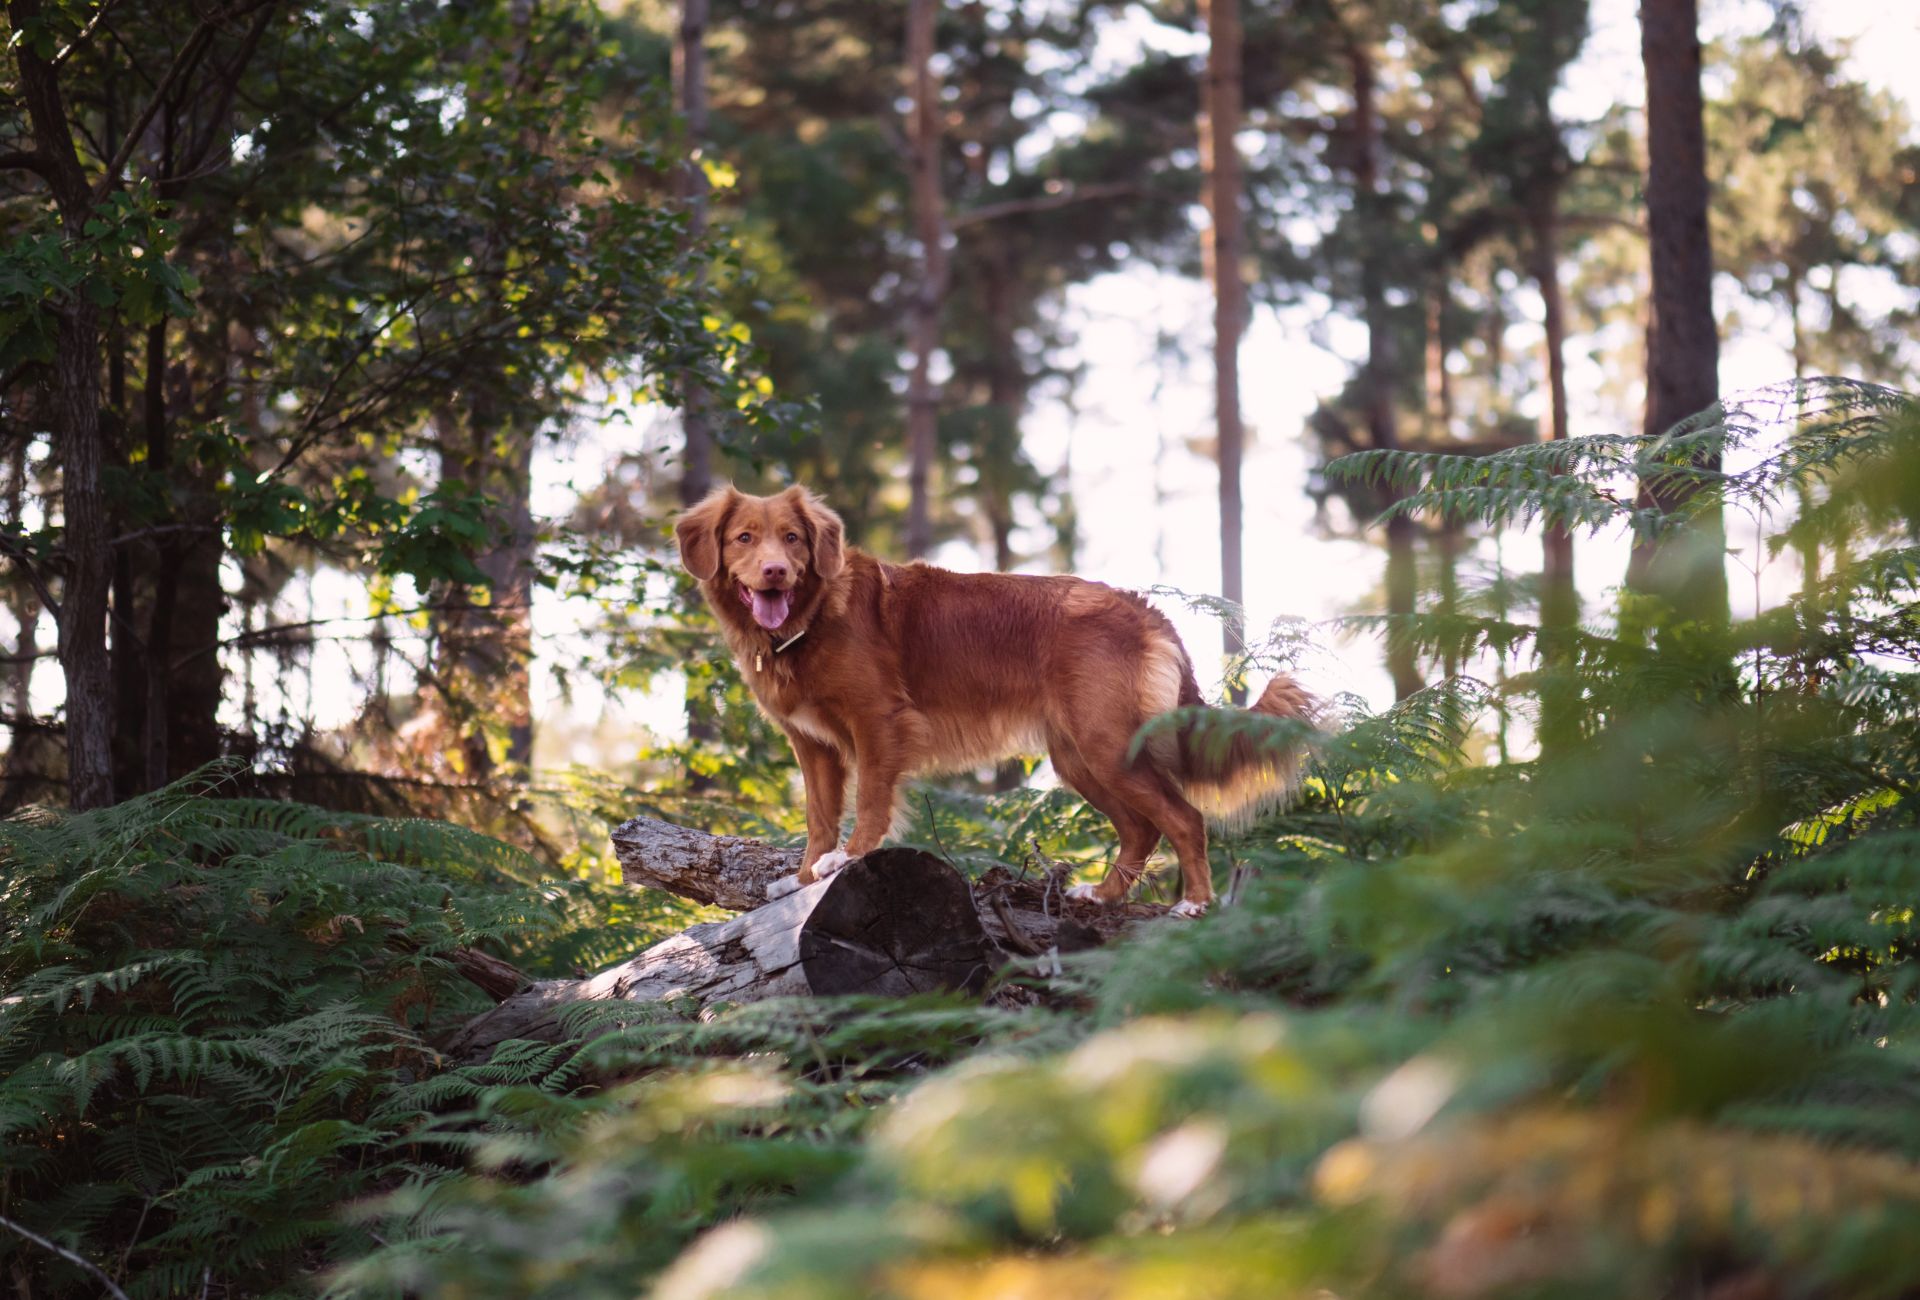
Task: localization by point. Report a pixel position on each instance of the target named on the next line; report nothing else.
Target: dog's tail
(1232, 773)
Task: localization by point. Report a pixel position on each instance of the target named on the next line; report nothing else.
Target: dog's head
(765, 549)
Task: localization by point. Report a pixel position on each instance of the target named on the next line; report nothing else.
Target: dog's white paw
(783, 886)
(828, 863)
(1084, 893)
(1188, 910)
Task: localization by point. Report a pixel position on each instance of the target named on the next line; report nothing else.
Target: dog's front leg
(881, 755)
(824, 773)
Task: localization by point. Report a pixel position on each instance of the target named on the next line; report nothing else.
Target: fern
(198, 1038)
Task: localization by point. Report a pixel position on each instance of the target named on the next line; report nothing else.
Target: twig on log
(1016, 938)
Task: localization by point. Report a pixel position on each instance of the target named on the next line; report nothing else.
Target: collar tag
(760, 659)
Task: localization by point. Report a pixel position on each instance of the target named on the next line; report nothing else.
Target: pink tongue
(770, 608)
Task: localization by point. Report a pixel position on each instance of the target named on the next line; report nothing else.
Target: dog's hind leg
(1139, 837)
(1149, 794)
(1136, 794)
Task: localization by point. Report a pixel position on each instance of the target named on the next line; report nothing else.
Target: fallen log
(1026, 915)
(727, 871)
(896, 922)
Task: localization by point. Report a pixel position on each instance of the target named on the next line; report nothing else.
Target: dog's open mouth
(770, 607)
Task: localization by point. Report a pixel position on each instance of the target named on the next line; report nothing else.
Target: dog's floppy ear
(829, 534)
(698, 532)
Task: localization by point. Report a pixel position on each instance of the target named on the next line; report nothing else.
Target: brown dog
(883, 670)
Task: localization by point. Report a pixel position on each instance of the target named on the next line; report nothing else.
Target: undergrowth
(1634, 1017)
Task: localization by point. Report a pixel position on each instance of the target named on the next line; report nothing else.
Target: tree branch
(80, 1261)
(86, 33)
(1042, 203)
(52, 129)
(183, 65)
(230, 83)
(18, 555)
(27, 160)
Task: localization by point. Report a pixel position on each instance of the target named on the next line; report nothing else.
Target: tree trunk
(485, 653)
(690, 86)
(1450, 536)
(1808, 547)
(696, 464)
(1382, 366)
(26, 764)
(83, 607)
(1439, 382)
(77, 448)
(1559, 598)
(1223, 252)
(1687, 569)
(189, 699)
(1006, 396)
(481, 694)
(930, 232)
(894, 923)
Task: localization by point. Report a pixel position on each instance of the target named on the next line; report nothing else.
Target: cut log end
(895, 922)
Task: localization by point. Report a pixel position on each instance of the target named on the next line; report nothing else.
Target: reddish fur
(911, 668)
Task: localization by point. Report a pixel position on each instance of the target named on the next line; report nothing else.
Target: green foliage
(1638, 1016)
(215, 1025)
(119, 261)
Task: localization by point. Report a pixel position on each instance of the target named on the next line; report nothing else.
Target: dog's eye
(793, 537)
(746, 537)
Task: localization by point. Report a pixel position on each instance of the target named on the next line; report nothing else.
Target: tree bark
(484, 655)
(690, 88)
(78, 448)
(1223, 253)
(925, 133)
(189, 700)
(485, 651)
(1382, 364)
(1687, 569)
(1559, 598)
(696, 462)
(727, 871)
(894, 923)
(27, 745)
(1449, 534)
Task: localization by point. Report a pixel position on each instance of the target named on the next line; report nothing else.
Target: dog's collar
(759, 661)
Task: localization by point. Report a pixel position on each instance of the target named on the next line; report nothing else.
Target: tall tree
(696, 456)
(79, 447)
(1222, 256)
(1522, 145)
(926, 130)
(1371, 205)
(690, 93)
(1687, 569)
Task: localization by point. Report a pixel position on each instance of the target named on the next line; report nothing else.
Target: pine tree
(1687, 571)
